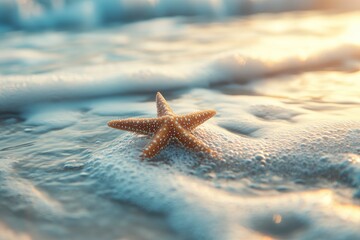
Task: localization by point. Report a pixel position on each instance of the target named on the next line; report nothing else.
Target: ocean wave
(18, 91)
(62, 14)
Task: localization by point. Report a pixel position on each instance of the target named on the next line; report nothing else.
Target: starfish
(167, 127)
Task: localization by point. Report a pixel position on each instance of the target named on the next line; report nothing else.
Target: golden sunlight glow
(277, 218)
(347, 212)
(355, 159)
(216, 3)
(8, 233)
(267, 238)
(352, 33)
(153, 2)
(327, 198)
(336, 4)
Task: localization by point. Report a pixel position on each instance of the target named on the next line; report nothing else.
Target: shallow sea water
(287, 129)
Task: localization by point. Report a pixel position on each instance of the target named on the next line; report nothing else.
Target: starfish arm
(158, 142)
(163, 107)
(192, 120)
(144, 126)
(188, 140)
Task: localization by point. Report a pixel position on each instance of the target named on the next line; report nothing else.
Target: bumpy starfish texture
(167, 127)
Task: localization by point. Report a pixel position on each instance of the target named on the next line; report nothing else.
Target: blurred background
(85, 14)
(150, 45)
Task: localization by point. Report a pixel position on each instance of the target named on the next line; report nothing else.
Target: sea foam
(198, 210)
(284, 144)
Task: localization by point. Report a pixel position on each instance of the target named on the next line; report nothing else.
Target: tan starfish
(167, 127)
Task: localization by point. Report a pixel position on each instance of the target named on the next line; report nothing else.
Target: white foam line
(19, 91)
